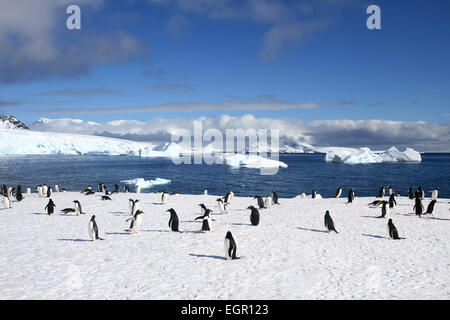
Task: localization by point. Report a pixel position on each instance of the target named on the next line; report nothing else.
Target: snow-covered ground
(287, 256)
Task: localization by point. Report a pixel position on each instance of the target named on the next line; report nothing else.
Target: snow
(252, 161)
(146, 184)
(394, 155)
(287, 256)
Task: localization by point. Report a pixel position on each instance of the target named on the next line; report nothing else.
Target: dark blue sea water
(304, 172)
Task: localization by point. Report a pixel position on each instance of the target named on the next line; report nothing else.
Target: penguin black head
(139, 212)
(390, 221)
(202, 205)
(229, 235)
(171, 210)
(76, 201)
(251, 207)
(219, 199)
(208, 211)
(327, 213)
(93, 218)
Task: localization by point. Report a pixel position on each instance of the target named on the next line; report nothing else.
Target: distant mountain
(11, 122)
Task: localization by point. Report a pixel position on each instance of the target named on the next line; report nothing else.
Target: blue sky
(219, 52)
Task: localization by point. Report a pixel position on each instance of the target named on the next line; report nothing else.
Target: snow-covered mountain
(11, 122)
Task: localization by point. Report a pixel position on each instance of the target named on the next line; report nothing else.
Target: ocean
(304, 173)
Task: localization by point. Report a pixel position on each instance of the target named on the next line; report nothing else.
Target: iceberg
(352, 156)
(146, 184)
(394, 155)
(252, 161)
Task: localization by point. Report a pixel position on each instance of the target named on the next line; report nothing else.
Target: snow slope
(287, 256)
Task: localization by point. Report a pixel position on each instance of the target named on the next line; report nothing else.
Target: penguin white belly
(91, 231)
(434, 195)
(268, 202)
(135, 208)
(164, 198)
(227, 248)
(28, 190)
(303, 196)
(205, 192)
(44, 190)
(222, 208)
(137, 223)
(138, 189)
(56, 188)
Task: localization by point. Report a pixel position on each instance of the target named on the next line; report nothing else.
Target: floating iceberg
(394, 155)
(252, 161)
(352, 156)
(145, 184)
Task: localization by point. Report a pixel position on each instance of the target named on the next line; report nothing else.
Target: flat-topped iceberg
(145, 184)
(365, 155)
(394, 155)
(252, 161)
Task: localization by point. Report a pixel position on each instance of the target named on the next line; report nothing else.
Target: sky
(310, 68)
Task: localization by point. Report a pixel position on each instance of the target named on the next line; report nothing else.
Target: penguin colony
(230, 247)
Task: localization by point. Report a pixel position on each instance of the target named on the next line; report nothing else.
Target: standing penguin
(418, 207)
(4, 191)
(351, 196)
(385, 210)
(49, 192)
(19, 195)
(39, 191)
(421, 192)
(339, 192)
(6, 203)
(130, 205)
(164, 197)
(78, 209)
(206, 226)
(268, 202)
(56, 187)
(93, 230)
(28, 191)
(231, 195)
(50, 207)
(205, 192)
(136, 221)
(410, 193)
(127, 189)
(392, 231)
(100, 187)
(430, 207)
(173, 221)
(434, 194)
(381, 192)
(138, 189)
(275, 197)
(134, 206)
(227, 198)
(221, 206)
(392, 202)
(303, 195)
(254, 215)
(260, 201)
(44, 190)
(329, 223)
(313, 194)
(202, 208)
(116, 188)
(230, 247)
(391, 190)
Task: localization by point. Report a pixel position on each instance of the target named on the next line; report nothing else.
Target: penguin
(260, 201)
(381, 192)
(174, 193)
(410, 193)
(392, 231)
(313, 194)
(206, 226)
(421, 192)
(430, 207)
(138, 189)
(49, 192)
(303, 195)
(203, 208)
(231, 195)
(90, 192)
(127, 189)
(418, 207)
(254, 215)
(4, 191)
(106, 198)
(275, 197)
(339, 192)
(164, 197)
(93, 230)
(6, 203)
(392, 202)
(50, 207)
(226, 198)
(28, 191)
(385, 210)
(205, 192)
(100, 187)
(329, 224)
(173, 221)
(88, 189)
(19, 196)
(116, 188)
(268, 203)
(40, 191)
(65, 190)
(391, 190)
(56, 188)
(377, 202)
(351, 196)
(434, 194)
(78, 209)
(134, 207)
(67, 210)
(44, 190)
(136, 221)
(230, 247)
(221, 206)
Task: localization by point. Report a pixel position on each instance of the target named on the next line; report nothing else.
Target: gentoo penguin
(221, 206)
(385, 210)
(19, 195)
(49, 192)
(39, 190)
(100, 187)
(78, 209)
(56, 188)
(134, 207)
(44, 189)
(391, 190)
(392, 230)
(260, 201)
(28, 190)
(138, 189)
(164, 197)
(351, 196)
(174, 193)
(231, 195)
(275, 197)
(206, 226)
(392, 202)
(67, 210)
(173, 221)
(303, 195)
(230, 247)
(381, 192)
(421, 192)
(313, 194)
(268, 202)
(254, 215)
(434, 194)
(136, 221)
(329, 224)
(116, 188)
(430, 207)
(205, 192)
(4, 190)
(377, 202)
(410, 193)
(6, 203)
(226, 198)
(50, 207)
(339, 192)
(93, 230)
(203, 208)
(127, 189)
(106, 198)
(418, 207)
(88, 189)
